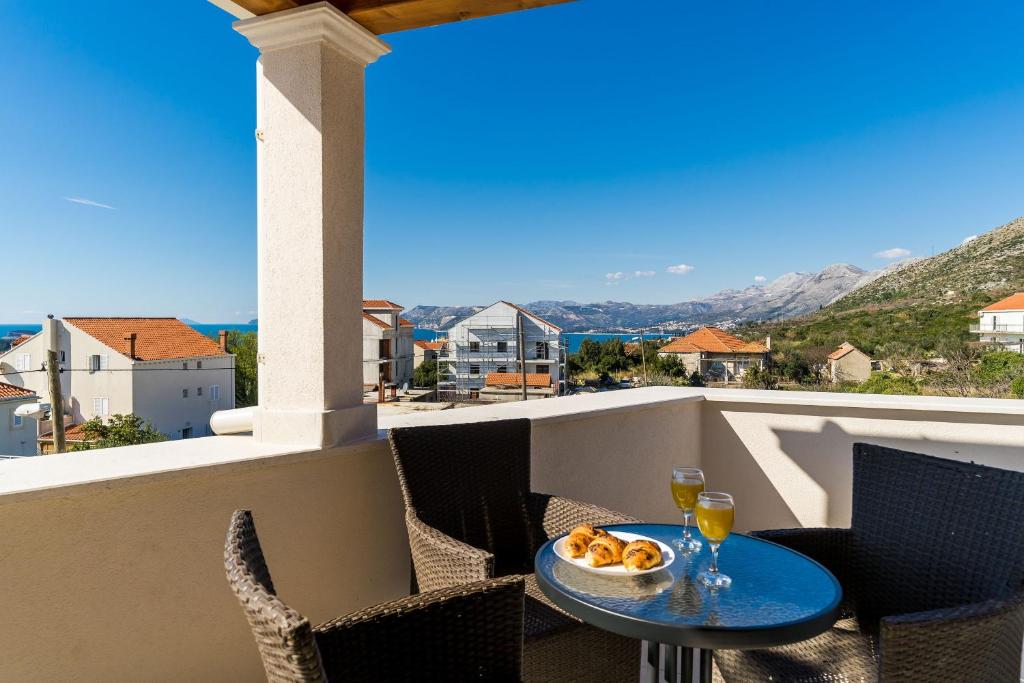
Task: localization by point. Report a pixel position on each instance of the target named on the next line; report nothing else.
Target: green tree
(696, 380)
(1017, 387)
(888, 383)
(757, 377)
(244, 346)
(120, 430)
(425, 374)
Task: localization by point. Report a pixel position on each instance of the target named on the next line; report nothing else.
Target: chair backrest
(471, 481)
(930, 532)
(283, 636)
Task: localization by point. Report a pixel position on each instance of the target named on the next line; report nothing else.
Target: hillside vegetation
(925, 305)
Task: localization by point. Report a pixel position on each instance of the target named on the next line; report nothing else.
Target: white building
(1002, 323)
(158, 368)
(488, 342)
(387, 344)
(17, 433)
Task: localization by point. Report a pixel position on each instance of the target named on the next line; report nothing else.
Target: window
(502, 368)
(98, 362)
(199, 391)
(184, 393)
(186, 433)
(502, 347)
(544, 369)
(100, 406)
(542, 349)
(23, 362)
(474, 369)
(61, 356)
(17, 421)
(199, 366)
(214, 392)
(184, 366)
(474, 347)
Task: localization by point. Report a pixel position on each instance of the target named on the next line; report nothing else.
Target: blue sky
(561, 153)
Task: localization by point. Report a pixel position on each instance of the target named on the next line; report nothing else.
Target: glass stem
(686, 525)
(714, 559)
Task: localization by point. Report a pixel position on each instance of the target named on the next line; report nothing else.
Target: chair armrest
(826, 545)
(557, 515)
(441, 561)
(472, 631)
(974, 642)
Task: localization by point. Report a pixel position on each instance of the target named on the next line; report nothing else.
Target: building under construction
(500, 347)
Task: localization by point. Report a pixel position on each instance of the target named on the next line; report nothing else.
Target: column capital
(319, 22)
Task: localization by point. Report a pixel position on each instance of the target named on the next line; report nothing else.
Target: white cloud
(644, 273)
(681, 269)
(895, 252)
(760, 278)
(969, 238)
(87, 202)
(611, 277)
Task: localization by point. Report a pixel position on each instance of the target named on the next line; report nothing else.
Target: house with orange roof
(388, 349)
(508, 386)
(17, 432)
(157, 368)
(1002, 323)
(426, 350)
(488, 342)
(716, 354)
(849, 364)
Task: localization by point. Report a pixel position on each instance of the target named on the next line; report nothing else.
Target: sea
(574, 339)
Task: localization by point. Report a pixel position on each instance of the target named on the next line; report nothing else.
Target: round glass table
(777, 596)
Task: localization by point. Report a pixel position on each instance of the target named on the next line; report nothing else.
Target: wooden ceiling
(389, 16)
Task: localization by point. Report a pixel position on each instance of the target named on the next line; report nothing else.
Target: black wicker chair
(469, 632)
(471, 516)
(932, 570)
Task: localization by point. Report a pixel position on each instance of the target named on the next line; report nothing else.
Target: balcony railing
(982, 329)
(144, 526)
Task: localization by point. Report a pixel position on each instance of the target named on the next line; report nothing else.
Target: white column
(310, 121)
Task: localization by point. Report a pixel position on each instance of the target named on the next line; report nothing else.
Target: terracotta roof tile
(429, 345)
(10, 391)
(844, 348)
(515, 379)
(1014, 302)
(381, 303)
(21, 340)
(406, 323)
(376, 321)
(71, 433)
(156, 338)
(712, 340)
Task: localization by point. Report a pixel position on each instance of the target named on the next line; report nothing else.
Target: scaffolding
(489, 344)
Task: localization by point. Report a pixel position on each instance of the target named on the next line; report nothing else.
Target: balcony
(1010, 329)
(121, 549)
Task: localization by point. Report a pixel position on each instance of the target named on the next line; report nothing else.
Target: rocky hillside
(992, 262)
(789, 295)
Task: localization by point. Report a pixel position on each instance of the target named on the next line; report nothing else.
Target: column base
(319, 429)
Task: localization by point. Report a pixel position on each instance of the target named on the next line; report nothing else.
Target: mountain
(922, 303)
(789, 295)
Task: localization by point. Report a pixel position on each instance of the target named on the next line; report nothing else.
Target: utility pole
(522, 350)
(643, 355)
(56, 401)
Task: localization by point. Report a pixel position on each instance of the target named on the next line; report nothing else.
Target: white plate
(667, 556)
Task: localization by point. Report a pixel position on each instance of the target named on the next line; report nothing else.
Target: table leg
(649, 662)
(687, 665)
(671, 664)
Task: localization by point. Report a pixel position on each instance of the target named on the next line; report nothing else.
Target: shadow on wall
(793, 465)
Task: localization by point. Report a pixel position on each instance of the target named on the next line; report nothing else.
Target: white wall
(157, 393)
(19, 440)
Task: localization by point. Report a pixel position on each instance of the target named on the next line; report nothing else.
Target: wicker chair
(469, 632)
(932, 570)
(471, 516)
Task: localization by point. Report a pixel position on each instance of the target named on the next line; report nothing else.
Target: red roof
(376, 321)
(1014, 302)
(515, 379)
(429, 345)
(10, 391)
(844, 348)
(381, 303)
(406, 323)
(71, 433)
(22, 339)
(155, 338)
(712, 340)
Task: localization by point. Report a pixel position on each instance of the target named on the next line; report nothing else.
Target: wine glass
(687, 482)
(715, 515)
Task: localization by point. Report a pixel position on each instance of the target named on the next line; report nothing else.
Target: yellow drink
(685, 494)
(715, 520)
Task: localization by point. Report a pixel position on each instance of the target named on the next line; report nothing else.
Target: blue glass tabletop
(777, 595)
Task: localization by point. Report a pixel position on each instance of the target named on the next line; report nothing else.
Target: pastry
(605, 550)
(581, 537)
(640, 555)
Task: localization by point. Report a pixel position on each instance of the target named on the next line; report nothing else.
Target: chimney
(768, 342)
(131, 344)
(223, 334)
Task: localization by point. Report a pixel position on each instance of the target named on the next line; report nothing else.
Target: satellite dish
(31, 409)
